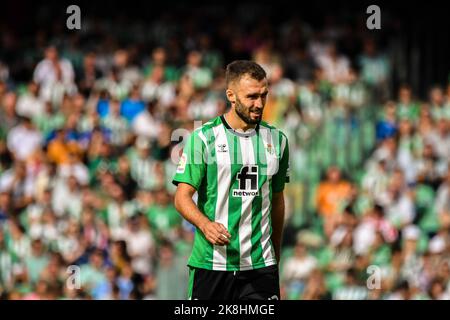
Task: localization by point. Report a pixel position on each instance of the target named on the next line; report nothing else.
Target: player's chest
(245, 156)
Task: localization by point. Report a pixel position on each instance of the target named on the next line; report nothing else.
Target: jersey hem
(233, 268)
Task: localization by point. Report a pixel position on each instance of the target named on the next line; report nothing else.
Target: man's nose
(259, 103)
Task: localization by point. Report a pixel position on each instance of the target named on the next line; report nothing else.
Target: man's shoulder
(272, 128)
(207, 126)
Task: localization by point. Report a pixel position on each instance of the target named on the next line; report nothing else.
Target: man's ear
(231, 96)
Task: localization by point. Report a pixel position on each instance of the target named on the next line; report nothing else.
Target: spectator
(37, 261)
(117, 125)
(170, 271)
(351, 290)
(335, 66)
(92, 274)
(315, 287)
(132, 106)
(30, 105)
(375, 68)
(146, 123)
(331, 194)
(55, 76)
(162, 215)
(140, 244)
(297, 269)
(24, 140)
(89, 74)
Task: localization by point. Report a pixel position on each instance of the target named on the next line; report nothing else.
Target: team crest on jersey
(270, 149)
(182, 164)
(248, 182)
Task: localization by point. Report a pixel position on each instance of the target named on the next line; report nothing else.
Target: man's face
(248, 96)
(52, 54)
(334, 175)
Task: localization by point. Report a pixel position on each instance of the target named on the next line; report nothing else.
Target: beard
(244, 113)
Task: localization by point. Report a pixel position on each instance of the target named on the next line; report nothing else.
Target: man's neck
(236, 122)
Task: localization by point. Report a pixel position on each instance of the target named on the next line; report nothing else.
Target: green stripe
(276, 140)
(234, 203)
(211, 193)
(260, 158)
(266, 125)
(202, 253)
(191, 282)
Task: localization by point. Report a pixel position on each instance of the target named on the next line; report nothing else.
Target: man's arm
(277, 221)
(215, 232)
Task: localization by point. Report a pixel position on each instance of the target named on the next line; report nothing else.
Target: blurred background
(87, 154)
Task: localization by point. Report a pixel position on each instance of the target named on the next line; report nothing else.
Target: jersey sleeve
(282, 176)
(192, 166)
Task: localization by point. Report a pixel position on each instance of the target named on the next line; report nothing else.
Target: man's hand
(215, 232)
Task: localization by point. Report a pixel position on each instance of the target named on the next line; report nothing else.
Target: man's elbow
(182, 195)
(177, 200)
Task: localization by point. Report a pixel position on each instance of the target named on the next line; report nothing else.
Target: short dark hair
(239, 68)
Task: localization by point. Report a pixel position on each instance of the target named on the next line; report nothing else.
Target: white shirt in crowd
(400, 211)
(30, 106)
(442, 201)
(23, 142)
(146, 125)
(78, 170)
(203, 109)
(296, 268)
(164, 92)
(66, 201)
(7, 180)
(140, 244)
(52, 88)
(45, 72)
(441, 144)
(335, 70)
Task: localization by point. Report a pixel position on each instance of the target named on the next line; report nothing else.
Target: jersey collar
(239, 134)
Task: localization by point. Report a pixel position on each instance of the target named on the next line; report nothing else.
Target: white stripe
(283, 145)
(223, 186)
(245, 223)
(202, 136)
(268, 254)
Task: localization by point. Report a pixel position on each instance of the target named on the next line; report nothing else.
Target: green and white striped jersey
(235, 175)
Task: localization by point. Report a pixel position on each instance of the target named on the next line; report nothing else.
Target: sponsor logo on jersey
(222, 148)
(248, 182)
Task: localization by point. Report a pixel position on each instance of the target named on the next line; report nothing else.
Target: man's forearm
(277, 215)
(215, 232)
(189, 210)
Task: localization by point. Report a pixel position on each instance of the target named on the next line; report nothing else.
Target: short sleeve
(282, 176)
(192, 166)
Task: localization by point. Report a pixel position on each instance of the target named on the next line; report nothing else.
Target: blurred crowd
(383, 231)
(90, 141)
